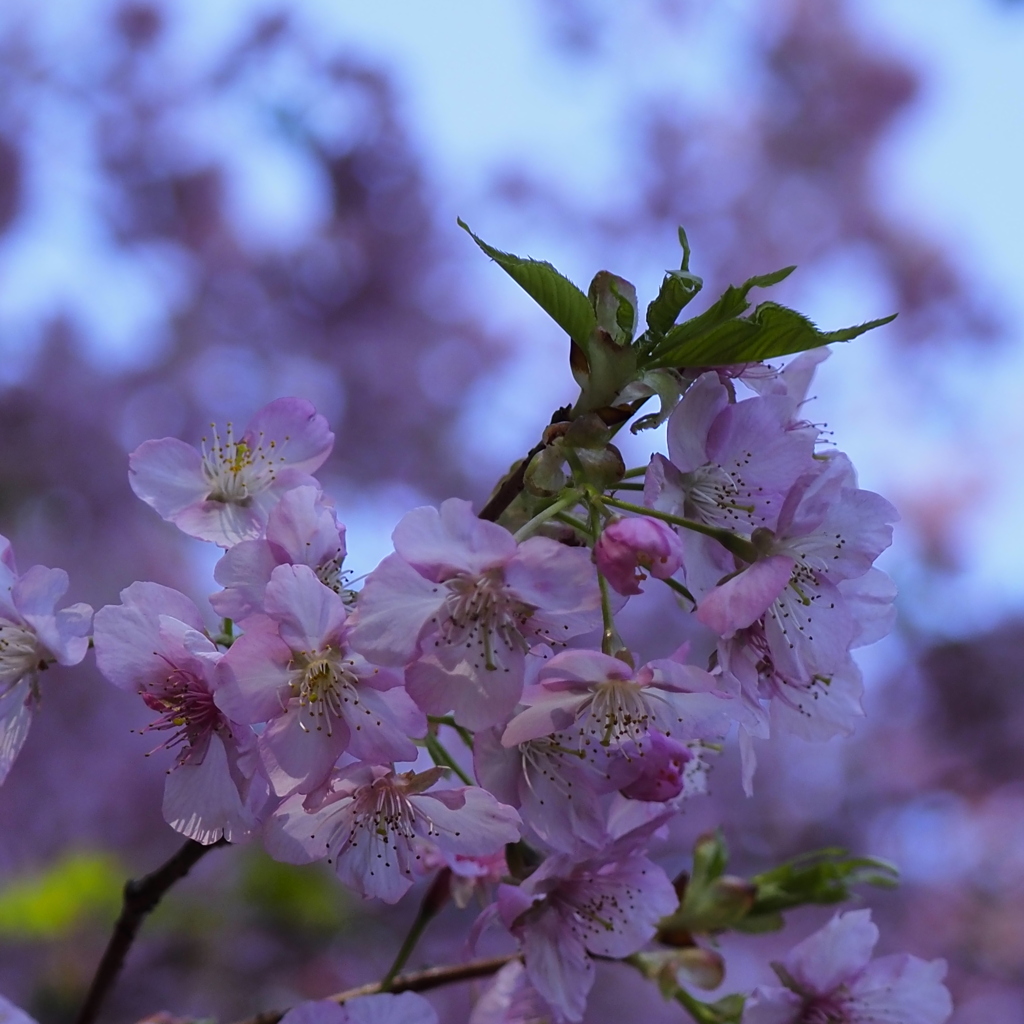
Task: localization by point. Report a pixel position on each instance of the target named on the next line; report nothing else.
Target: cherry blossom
(369, 822)
(830, 977)
(460, 603)
(568, 910)
(557, 790)
(33, 635)
(302, 529)
(730, 466)
(383, 1008)
(293, 669)
(224, 492)
(511, 999)
(595, 701)
(154, 644)
(627, 546)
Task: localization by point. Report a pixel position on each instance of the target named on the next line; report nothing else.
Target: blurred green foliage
(80, 887)
(300, 898)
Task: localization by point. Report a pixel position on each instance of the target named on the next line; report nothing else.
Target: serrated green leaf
(551, 290)
(772, 330)
(728, 308)
(677, 289)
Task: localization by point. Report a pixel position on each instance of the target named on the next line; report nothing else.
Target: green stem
(621, 486)
(443, 759)
(730, 541)
(680, 590)
(576, 524)
(610, 641)
(530, 527)
(634, 472)
(609, 637)
(433, 900)
(464, 734)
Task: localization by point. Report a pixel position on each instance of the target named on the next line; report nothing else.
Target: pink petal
(394, 606)
(742, 600)
(835, 954)
(201, 801)
(167, 475)
(443, 543)
(303, 440)
(16, 707)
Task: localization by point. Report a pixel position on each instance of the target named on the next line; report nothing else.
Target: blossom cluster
(318, 715)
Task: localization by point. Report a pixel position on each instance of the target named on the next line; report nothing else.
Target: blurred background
(205, 206)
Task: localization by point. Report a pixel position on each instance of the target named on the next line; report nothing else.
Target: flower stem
(610, 639)
(443, 759)
(680, 590)
(464, 734)
(433, 900)
(730, 541)
(531, 527)
(576, 524)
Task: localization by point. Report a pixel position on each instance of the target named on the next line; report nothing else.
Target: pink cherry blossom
(369, 822)
(154, 644)
(460, 603)
(471, 877)
(302, 529)
(224, 492)
(567, 910)
(831, 977)
(730, 466)
(383, 1008)
(627, 546)
(33, 635)
(511, 999)
(594, 701)
(665, 769)
(293, 669)
(557, 790)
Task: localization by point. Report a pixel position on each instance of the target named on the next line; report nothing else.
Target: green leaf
(772, 330)
(821, 877)
(731, 305)
(677, 289)
(80, 887)
(552, 291)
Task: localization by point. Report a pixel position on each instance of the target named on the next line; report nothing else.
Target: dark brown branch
(140, 898)
(508, 490)
(417, 981)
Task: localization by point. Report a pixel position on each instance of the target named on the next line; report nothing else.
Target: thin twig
(417, 981)
(509, 489)
(140, 899)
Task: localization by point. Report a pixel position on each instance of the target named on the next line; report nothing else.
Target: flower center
(482, 614)
(617, 711)
(236, 471)
(718, 497)
(323, 683)
(185, 706)
(824, 1010)
(545, 758)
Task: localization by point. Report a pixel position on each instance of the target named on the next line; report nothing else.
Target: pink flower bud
(628, 546)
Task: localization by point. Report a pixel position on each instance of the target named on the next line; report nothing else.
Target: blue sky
(481, 88)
